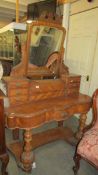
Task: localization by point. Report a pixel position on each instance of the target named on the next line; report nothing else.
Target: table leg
(27, 157)
(82, 122)
(5, 159)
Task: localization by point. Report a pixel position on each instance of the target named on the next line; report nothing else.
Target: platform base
(40, 139)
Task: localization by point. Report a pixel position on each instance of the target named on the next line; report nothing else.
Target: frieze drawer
(18, 100)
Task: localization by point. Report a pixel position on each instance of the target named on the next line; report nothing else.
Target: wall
(94, 77)
(79, 7)
(3, 23)
(82, 5)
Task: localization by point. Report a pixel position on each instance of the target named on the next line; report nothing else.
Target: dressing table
(41, 89)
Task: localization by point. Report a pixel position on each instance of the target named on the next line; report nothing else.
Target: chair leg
(76, 158)
(15, 133)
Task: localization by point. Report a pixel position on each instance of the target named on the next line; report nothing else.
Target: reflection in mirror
(44, 41)
(11, 38)
(19, 38)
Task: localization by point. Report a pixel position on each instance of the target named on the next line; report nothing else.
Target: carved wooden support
(82, 122)
(27, 157)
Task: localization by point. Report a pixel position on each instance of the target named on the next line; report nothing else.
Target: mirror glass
(10, 48)
(44, 41)
(20, 37)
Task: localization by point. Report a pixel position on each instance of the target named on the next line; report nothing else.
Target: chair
(88, 145)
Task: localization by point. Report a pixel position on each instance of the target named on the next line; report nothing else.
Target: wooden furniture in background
(3, 152)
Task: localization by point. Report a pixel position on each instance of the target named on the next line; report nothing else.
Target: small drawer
(46, 86)
(74, 79)
(74, 85)
(18, 84)
(17, 92)
(18, 100)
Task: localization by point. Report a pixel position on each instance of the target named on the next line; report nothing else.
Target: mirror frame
(24, 67)
(42, 23)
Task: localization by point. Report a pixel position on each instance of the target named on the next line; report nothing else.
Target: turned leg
(27, 157)
(76, 158)
(4, 159)
(15, 133)
(82, 122)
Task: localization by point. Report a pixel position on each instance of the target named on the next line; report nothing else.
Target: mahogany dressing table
(41, 89)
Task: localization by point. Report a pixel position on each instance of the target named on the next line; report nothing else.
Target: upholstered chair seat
(88, 145)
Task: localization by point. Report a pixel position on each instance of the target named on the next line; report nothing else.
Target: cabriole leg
(76, 158)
